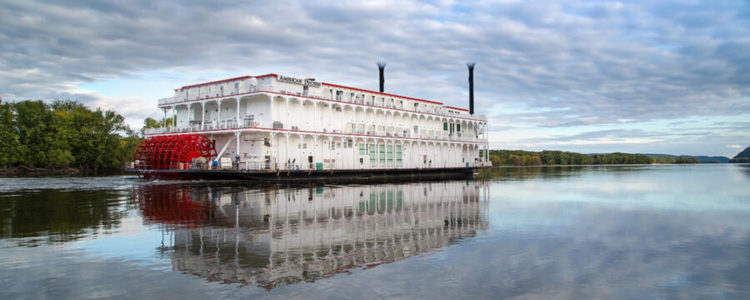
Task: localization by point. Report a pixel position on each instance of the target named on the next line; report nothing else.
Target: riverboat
(273, 125)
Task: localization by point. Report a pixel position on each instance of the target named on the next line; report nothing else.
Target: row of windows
(452, 128)
(364, 149)
(386, 154)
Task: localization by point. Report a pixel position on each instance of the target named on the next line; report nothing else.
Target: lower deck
(342, 175)
(268, 149)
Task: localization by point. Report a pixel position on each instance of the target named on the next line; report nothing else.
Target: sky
(586, 76)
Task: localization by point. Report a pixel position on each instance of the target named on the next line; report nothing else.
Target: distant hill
(712, 159)
(701, 159)
(742, 157)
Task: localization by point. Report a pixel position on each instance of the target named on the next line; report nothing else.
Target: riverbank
(31, 171)
(42, 172)
(563, 158)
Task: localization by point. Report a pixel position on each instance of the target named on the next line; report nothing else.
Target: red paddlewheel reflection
(171, 204)
(172, 152)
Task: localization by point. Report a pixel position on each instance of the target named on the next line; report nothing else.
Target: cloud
(564, 64)
(615, 136)
(735, 146)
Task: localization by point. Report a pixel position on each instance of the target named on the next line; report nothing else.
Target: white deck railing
(231, 124)
(168, 100)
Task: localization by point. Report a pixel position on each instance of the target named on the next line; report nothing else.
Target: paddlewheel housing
(173, 152)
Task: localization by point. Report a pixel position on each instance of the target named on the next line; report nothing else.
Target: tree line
(532, 158)
(64, 134)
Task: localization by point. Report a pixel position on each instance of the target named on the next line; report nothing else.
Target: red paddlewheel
(171, 152)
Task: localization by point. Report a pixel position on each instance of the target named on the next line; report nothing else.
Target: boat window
(399, 157)
(382, 155)
(373, 154)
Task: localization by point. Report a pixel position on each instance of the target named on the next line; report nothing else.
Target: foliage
(701, 159)
(153, 123)
(682, 159)
(618, 158)
(530, 158)
(63, 134)
(10, 149)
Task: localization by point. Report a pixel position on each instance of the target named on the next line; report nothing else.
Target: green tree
(153, 123)
(11, 146)
(64, 134)
(684, 159)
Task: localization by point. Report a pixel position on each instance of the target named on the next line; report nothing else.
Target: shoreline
(24, 171)
(43, 172)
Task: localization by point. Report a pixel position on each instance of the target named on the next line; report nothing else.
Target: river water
(619, 232)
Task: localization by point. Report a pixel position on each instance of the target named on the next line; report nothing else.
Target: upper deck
(310, 88)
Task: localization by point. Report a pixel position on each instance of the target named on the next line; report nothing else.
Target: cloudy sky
(582, 76)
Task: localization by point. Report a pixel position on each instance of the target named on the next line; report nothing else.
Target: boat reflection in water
(275, 236)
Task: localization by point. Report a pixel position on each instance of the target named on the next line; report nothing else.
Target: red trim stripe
(456, 108)
(379, 93)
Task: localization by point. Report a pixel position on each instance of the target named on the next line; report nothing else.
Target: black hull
(348, 175)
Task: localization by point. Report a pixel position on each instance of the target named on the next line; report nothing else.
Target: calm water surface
(637, 232)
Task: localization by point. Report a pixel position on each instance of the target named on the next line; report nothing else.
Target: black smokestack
(471, 86)
(381, 67)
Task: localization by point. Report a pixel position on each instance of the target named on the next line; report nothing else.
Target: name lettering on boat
(306, 81)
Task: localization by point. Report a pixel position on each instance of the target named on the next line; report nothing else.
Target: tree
(64, 134)
(11, 146)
